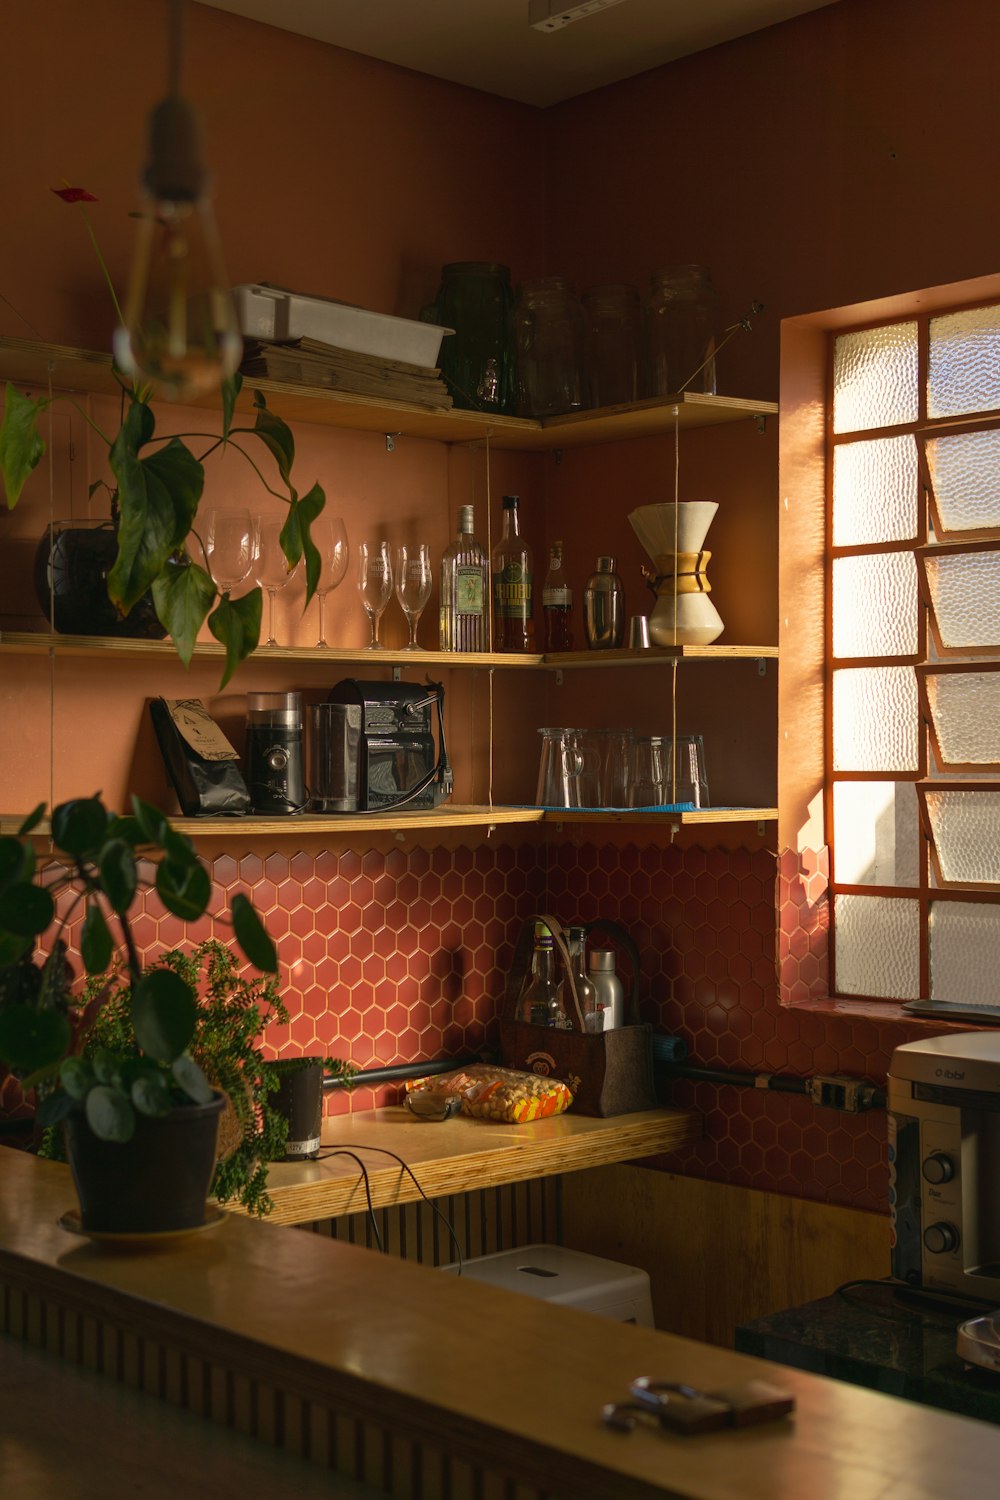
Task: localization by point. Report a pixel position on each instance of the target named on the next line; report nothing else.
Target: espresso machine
(386, 748)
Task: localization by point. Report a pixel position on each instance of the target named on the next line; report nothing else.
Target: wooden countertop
(494, 1377)
(456, 1155)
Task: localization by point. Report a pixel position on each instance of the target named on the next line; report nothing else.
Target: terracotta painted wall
(809, 165)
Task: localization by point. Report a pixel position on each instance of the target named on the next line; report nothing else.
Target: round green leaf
(12, 948)
(184, 889)
(191, 1079)
(106, 1066)
(126, 828)
(16, 860)
(79, 827)
(119, 876)
(96, 942)
(252, 937)
(150, 820)
(54, 1108)
(26, 909)
(32, 820)
(32, 1039)
(77, 1077)
(164, 1013)
(109, 1114)
(151, 1094)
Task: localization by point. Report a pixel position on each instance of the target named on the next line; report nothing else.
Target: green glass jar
(477, 360)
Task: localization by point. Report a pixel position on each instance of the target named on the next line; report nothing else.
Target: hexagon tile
(402, 956)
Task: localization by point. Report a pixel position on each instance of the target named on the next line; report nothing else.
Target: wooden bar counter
(429, 1387)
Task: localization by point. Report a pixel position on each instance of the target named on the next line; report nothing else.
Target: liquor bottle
(513, 604)
(591, 1007)
(557, 604)
(540, 1004)
(464, 590)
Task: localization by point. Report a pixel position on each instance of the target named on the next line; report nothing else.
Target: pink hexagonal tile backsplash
(401, 956)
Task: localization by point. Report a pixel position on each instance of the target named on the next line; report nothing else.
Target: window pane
(878, 947)
(875, 378)
(875, 719)
(965, 473)
(875, 832)
(964, 372)
(966, 830)
(965, 952)
(965, 597)
(965, 708)
(875, 605)
(875, 491)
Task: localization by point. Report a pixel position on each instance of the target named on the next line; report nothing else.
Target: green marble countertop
(878, 1335)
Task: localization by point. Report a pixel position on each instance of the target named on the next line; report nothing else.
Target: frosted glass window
(878, 947)
(875, 605)
(875, 491)
(965, 709)
(876, 833)
(964, 362)
(875, 719)
(965, 474)
(966, 829)
(875, 378)
(965, 952)
(965, 597)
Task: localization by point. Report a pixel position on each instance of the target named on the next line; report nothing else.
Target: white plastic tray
(268, 312)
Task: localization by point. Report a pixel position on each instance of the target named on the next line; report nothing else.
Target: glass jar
(680, 318)
(477, 360)
(550, 337)
(612, 344)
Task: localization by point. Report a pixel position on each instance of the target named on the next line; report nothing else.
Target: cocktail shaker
(604, 607)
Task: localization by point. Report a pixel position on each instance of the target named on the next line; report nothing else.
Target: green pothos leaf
(183, 594)
(296, 539)
(231, 387)
(276, 436)
(21, 447)
(236, 623)
(158, 499)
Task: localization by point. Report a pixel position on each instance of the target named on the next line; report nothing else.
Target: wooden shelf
(458, 1155)
(654, 655)
(697, 816)
(37, 365)
(313, 824)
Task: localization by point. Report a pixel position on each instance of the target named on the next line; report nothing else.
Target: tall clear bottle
(464, 589)
(591, 1006)
(513, 598)
(557, 604)
(540, 1003)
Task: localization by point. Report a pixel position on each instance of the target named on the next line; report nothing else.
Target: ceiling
(489, 44)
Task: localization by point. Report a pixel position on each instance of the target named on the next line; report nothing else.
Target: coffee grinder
(275, 773)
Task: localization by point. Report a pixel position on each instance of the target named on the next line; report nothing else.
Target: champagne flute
(229, 548)
(413, 584)
(270, 567)
(374, 584)
(329, 536)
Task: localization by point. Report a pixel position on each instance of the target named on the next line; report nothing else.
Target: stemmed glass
(413, 584)
(229, 548)
(374, 584)
(270, 567)
(329, 536)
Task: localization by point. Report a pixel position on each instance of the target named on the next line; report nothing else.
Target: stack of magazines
(307, 361)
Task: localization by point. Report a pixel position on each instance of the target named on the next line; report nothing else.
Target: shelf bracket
(397, 674)
(760, 828)
(390, 441)
(760, 422)
(558, 675)
(762, 666)
(557, 456)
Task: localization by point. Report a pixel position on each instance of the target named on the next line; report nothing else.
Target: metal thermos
(610, 990)
(275, 772)
(604, 607)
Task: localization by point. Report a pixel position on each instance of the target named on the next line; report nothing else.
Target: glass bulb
(180, 329)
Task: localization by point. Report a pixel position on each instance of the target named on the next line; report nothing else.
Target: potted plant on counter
(157, 489)
(140, 1115)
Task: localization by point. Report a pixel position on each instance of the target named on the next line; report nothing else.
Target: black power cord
(336, 1150)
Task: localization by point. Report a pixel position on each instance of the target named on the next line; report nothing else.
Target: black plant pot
(157, 1181)
(299, 1097)
(71, 584)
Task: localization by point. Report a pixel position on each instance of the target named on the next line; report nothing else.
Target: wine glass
(270, 567)
(374, 584)
(229, 547)
(413, 584)
(329, 535)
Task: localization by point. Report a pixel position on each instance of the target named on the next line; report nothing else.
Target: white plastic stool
(568, 1277)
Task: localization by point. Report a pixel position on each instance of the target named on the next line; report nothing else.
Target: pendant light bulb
(180, 329)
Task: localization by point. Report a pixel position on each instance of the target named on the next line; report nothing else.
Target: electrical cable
(926, 1302)
(335, 1150)
(344, 1151)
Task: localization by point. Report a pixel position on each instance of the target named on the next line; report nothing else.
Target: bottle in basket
(540, 1004)
(590, 1003)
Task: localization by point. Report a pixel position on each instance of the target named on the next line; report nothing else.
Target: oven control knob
(940, 1238)
(938, 1168)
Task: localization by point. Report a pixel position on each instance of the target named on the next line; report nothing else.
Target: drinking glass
(413, 584)
(229, 547)
(374, 584)
(329, 536)
(270, 567)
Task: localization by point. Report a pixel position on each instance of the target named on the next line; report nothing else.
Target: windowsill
(875, 1010)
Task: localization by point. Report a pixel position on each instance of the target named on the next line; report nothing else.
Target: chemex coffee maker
(944, 1164)
(372, 748)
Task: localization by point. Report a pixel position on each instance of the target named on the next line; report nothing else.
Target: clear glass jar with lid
(680, 321)
(612, 344)
(550, 337)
